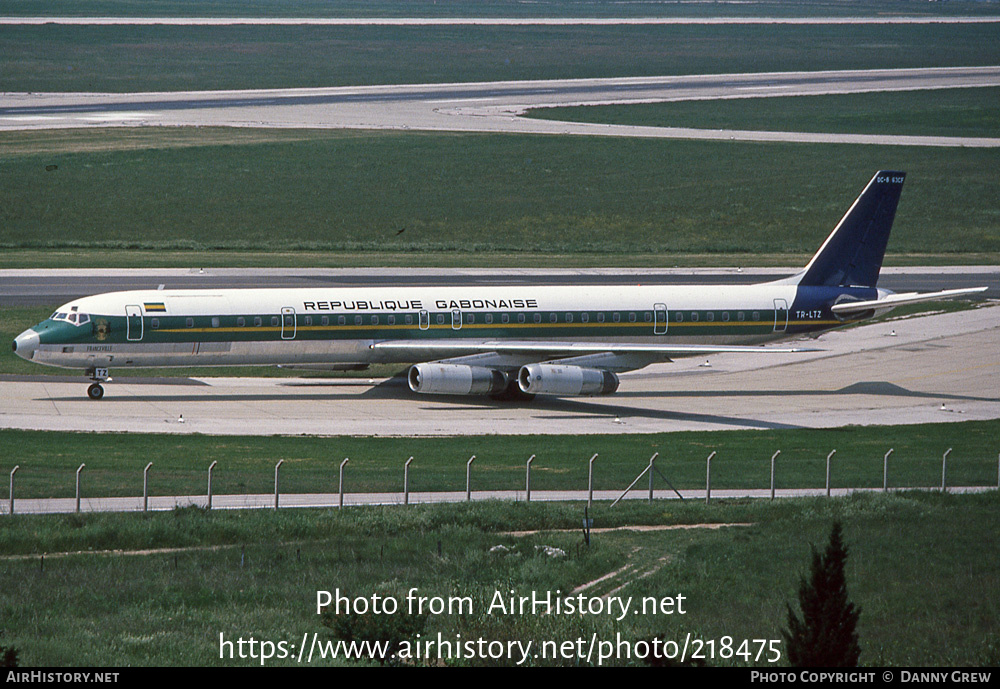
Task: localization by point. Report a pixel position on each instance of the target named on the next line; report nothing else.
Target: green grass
(921, 567)
(115, 462)
(157, 58)
(399, 193)
(947, 112)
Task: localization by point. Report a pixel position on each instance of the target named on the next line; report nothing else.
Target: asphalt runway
(29, 287)
(943, 367)
(488, 107)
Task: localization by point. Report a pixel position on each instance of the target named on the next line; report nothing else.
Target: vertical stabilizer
(852, 255)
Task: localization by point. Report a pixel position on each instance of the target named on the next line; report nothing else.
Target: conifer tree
(825, 635)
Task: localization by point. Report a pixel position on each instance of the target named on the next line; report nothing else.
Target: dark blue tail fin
(852, 255)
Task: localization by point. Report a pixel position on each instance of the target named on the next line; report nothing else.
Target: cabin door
(133, 323)
(659, 319)
(287, 323)
(780, 315)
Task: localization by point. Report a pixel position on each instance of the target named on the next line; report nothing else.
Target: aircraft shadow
(558, 407)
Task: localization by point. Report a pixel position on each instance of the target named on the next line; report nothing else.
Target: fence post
(12, 487)
(276, 468)
(210, 467)
(527, 479)
(708, 477)
(78, 486)
(406, 481)
(651, 460)
(885, 471)
(468, 478)
(145, 488)
(944, 468)
(340, 485)
(773, 457)
(832, 453)
(590, 482)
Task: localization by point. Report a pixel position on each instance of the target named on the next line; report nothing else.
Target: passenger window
(215, 321)
(309, 320)
(648, 316)
(505, 318)
(391, 320)
(241, 321)
(725, 316)
(616, 317)
(740, 316)
(257, 321)
(569, 318)
(189, 322)
(274, 321)
(756, 315)
(470, 318)
(710, 316)
(155, 323)
(631, 318)
(679, 317)
(520, 318)
(553, 318)
(694, 316)
(538, 318)
(489, 318)
(341, 320)
(440, 319)
(357, 320)
(409, 319)
(374, 320)
(324, 320)
(600, 318)
(585, 318)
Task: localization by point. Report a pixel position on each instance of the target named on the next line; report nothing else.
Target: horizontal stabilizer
(900, 299)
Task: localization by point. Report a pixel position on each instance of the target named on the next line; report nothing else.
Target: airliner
(506, 342)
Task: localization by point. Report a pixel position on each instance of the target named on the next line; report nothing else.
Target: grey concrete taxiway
(941, 367)
(493, 107)
(24, 287)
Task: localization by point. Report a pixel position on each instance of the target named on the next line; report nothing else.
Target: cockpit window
(74, 318)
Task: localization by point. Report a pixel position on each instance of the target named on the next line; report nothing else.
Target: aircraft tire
(95, 392)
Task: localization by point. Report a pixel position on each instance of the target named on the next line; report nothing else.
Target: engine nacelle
(455, 379)
(556, 379)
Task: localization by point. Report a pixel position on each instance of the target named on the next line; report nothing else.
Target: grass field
(921, 567)
(407, 193)
(945, 112)
(157, 58)
(115, 462)
(477, 8)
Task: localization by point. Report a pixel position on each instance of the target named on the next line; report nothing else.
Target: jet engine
(456, 379)
(556, 379)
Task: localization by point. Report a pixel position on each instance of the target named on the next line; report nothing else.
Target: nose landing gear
(96, 390)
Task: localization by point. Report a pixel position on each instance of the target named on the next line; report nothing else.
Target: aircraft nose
(26, 343)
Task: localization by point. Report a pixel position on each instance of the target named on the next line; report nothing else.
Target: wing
(423, 350)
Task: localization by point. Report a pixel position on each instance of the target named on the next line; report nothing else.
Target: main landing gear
(96, 390)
